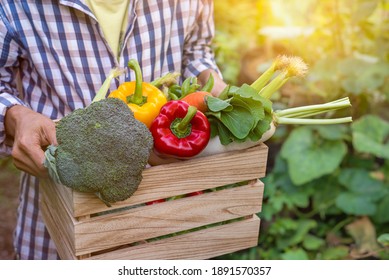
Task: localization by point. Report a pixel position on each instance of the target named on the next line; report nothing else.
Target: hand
(218, 85)
(31, 133)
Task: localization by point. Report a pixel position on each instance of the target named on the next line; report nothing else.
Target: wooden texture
(179, 178)
(84, 228)
(204, 244)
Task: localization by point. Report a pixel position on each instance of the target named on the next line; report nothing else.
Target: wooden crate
(213, 223)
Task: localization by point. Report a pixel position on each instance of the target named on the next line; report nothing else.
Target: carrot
(197, 99)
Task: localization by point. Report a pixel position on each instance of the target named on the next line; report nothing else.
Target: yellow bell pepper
(144, 99)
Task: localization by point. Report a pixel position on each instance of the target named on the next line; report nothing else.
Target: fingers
(32, 133)
(29, 158)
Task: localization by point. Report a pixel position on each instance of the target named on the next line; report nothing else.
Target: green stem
(114, 73)
(298, 115)
(262, 80)
(137, 97)
(274, 85)
(284, 120)
(313, 109)
(182, 127)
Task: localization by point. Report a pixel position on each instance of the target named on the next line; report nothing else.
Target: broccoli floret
(102, 149)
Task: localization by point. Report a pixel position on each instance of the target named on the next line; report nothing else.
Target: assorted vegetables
(175, 122)
(187, 121)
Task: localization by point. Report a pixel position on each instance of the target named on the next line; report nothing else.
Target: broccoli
(101, 149)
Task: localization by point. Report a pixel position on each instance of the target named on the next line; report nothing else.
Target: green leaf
(335, 253)
(382, 214)
(304, 226)
(295, 254)
(355, 204)
(310, 158)
(361, 182)
(371, 135)
(238, 121)
(312, 242)
(383, 239)
(291, 239)
(333, 132)
(215, 104)
(261, 127)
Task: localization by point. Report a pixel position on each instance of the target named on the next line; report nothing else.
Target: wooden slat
(63, 193)
(184, 177)
(151, 221)
(58, 220)
(203, 244)
(57, 232)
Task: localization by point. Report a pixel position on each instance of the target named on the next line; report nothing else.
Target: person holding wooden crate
(62, 52)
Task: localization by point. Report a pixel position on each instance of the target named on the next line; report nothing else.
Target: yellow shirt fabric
(112, 17)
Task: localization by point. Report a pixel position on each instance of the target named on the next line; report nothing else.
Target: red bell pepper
(180, 130)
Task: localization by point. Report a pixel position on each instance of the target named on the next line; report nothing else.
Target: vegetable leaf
(215, 104)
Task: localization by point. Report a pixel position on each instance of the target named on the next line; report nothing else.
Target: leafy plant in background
(342, 191)
(327, 196)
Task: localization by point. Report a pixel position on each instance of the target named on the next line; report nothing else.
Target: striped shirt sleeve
(198, 55)
(9, 52)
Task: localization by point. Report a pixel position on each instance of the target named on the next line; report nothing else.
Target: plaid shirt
(59, 51)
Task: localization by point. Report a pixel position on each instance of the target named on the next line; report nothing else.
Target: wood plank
(58, 220)
(184, 177)
(57, 233)
(151, 221)
(203, 244)
(64, 193)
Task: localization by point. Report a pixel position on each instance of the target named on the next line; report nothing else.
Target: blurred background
(339, 206)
